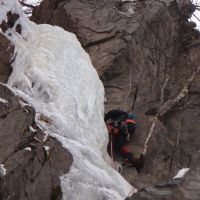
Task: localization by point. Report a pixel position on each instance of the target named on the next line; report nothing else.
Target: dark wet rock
(10, 22)
(6, 53)
(6, 47)
(162, 191)
(33, 161)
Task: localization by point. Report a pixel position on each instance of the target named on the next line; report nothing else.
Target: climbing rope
(133, 189)
(111, 152)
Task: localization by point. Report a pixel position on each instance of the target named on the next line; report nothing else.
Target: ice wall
(54, 74)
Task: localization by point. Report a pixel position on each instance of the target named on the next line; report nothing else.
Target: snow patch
(3, 101)
(181, 173)
(22, 104)
(31, 129)
(45, 138)
(27, 149)
(46, 148)
(2, 170)
(196, 15)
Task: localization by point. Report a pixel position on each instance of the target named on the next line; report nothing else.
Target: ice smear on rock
(3, 101)
(2, 170)
(181, 173)
(54, 74)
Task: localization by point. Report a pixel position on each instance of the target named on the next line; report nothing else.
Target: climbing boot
(138, 163)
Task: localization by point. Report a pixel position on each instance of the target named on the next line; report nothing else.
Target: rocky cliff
(147, 55)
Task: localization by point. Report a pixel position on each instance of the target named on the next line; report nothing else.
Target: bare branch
(172, 102)
(162, 98)
(150, 134)
(168, 105)
(196, 17)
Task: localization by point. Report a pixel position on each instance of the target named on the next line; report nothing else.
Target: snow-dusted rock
(27, 171)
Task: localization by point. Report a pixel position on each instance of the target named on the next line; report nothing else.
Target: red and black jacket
(116, 122)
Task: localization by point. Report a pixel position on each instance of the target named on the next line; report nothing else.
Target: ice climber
(121, 127)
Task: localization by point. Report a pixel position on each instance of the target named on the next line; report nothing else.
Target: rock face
(147, 55)
(6, 48)
(33, 161)
(176, 189)
(6, 51)
(189, 189)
